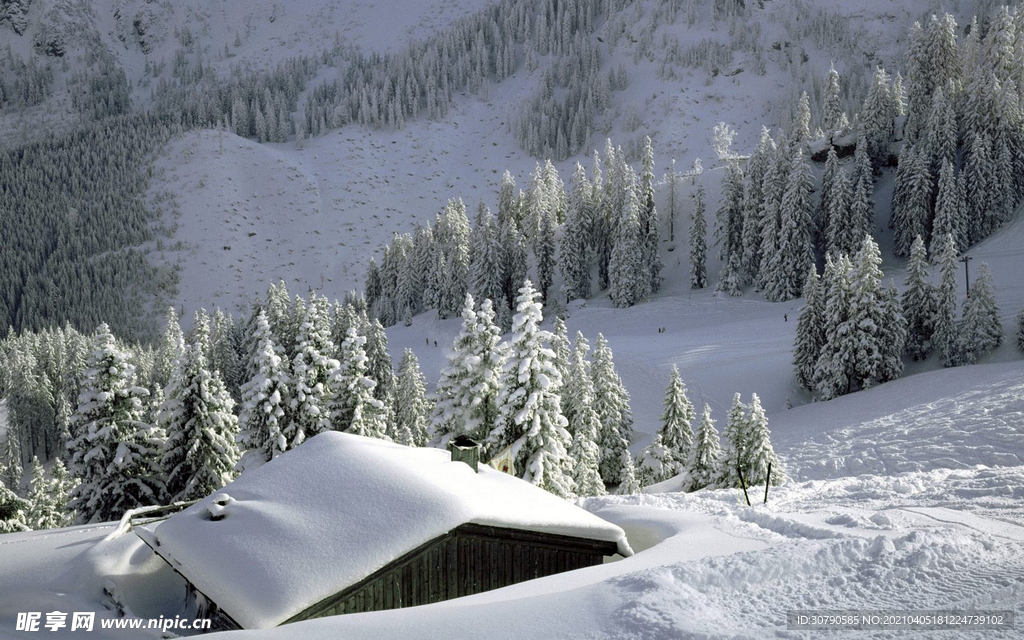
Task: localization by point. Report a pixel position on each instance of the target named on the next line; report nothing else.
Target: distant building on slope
(347, 524)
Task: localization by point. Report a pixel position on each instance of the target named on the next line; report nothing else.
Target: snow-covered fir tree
(918, 303)
(573, 261)
(912, 213)
(378, 361)
(12, 511)
(514, 269)
(802, 121)
(169, 348)
(945, 336)
(1020, 330)
(833, 204)
(704, 466)
(112, 452)
(649, 222)
(948, 211)
(760, 453)
(611, 401)
(200, 454)
(530, 419)
(735, 444)
(466, 394)
(265, 401)
(753, 196)
(485, 257)
(411, 406)
(876, 118)
(676, 430)
(629, 484)
(980, 330)
(833, 371)
(795, 250)
(312, 367)
(866, 316)
(831, 109)
(45, 511)
(352, 406)
(810, 335)
(655, 464)
(452, 236)
(729, 231)
(773, 187)
(698, 242)
(584, 423)
(627, 279)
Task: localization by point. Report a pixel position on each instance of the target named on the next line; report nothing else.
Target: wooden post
(767, 482)
(743, 484)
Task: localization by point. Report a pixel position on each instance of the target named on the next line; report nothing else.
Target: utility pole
(967, 274)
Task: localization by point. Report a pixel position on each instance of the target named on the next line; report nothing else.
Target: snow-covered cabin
(345, 524)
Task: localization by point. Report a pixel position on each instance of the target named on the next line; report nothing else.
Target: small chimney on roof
(465, 449)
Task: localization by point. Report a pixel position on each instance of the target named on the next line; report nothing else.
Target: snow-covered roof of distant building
(292, 532)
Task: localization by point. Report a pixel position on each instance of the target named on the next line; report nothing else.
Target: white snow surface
(331, 512)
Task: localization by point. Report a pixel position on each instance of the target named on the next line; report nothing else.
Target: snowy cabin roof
(333, 511)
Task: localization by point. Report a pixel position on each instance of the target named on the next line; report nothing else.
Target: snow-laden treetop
(327, 514)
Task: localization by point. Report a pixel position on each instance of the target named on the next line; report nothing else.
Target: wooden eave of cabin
(470, 559)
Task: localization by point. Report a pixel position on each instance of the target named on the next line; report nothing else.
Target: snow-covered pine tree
(530, 419)
(945, 336)
(671, 178)
(760, 454)
(627, 282)
(43, 512)
(876, 118)
(833, 372)
(980, 330)
(676, 422)
(918, 303)
(281, 316)
(831, 109)
(866, 316)
(378, 361)
(1020, 330)
(170, 346)
(948, 212)
(513, 272)
(835, 197)
(893, 336)
(774, 187)
(313, 365)
(649, 223)
(573, 250)
(729, 231)
(943, 131)
(200, 454)
(796, 252)
(507, 202)
(584, 423)
(352, 406)
(411, 406)
(544, 248)
(112, 452)
(265, 401)
(611, 401)
(655, 464)
(12, 511)
(916, 215)
(862, 185)
(735, 444)
(810, 335)
(979, 174)
(629, 484)
(698, 242)
(704, 467)
(753, 223)
(466, 392)
(452, 235)
(802, 122)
